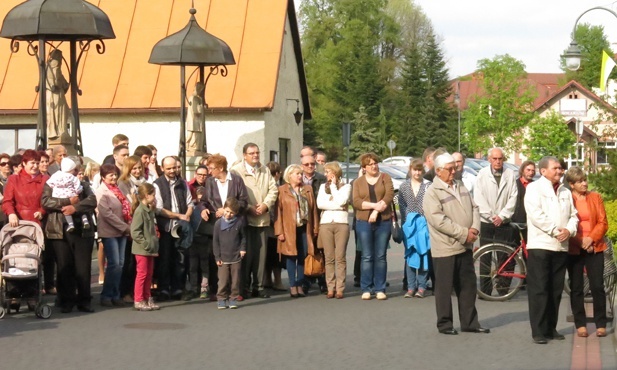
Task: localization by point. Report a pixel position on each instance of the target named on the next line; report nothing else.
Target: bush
(611, 215)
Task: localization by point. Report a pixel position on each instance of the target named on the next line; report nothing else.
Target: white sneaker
(153, 306)
(381, 296)
(366, 296)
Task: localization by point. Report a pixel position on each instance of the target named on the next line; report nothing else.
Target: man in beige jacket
(262, 192)
(453, 221)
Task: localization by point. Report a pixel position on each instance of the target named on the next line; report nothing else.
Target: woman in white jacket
(333, 200)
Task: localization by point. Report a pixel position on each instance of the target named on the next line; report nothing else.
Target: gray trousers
(229, 282)
(254, 262)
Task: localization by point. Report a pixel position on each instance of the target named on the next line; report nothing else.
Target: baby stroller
(22, 275)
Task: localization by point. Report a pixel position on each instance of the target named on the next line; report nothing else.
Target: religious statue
(195, 121)
(58, 111)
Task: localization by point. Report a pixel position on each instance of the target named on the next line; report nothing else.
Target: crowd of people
(226, 234)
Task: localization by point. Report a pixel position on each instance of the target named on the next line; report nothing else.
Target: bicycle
(500, 267)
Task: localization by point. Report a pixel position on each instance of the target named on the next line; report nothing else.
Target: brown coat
(384, 190)
(599, 226)
(285, 223)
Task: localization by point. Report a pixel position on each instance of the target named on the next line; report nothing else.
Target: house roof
(573, 85)
(546, 85)
(122, 79)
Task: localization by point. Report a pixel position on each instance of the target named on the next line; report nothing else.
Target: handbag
(397, 232)
(314, 265)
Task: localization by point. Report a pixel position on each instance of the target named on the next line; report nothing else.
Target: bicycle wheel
(499, 276)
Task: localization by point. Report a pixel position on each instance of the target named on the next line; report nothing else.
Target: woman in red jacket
(23, 191)
(586, 252)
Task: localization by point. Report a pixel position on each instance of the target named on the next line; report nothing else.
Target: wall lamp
(297, 114)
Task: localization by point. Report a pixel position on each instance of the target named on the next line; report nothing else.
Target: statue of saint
(195, 121)
(58, 111)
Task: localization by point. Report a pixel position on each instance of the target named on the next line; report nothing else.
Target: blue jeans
(416, 278)
(374, 238)
(295, 264)
(114, 253)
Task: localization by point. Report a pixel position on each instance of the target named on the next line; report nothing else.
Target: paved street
(281, 333)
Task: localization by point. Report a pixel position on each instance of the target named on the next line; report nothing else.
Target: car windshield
(393, 172)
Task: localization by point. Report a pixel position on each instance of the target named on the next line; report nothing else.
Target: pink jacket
(111, 224)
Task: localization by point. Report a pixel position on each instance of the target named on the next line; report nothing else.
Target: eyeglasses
(4, 164)
(211, 169)
(201, 174)
(309, 164)
(450, 169)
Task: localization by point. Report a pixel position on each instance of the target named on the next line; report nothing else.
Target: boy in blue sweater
(229, 247)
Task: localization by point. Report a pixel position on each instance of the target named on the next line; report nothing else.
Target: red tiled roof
(546, 84)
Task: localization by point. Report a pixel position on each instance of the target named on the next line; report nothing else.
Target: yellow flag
(607, 67)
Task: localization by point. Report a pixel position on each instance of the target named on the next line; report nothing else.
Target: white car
(398, 161)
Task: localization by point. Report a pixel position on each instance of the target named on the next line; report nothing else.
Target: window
(12, 139)
(284, 145)
(603, 150)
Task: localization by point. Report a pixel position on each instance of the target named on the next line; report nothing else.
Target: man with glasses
(262, 195)
(313, 178)
(551, 220)
(173, 203)
(495, 194)
(5, 172)
(201, 247)
(453, 222)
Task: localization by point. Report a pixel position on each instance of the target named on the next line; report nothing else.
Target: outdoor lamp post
(193, 46)
(572, 56)
(47, 21)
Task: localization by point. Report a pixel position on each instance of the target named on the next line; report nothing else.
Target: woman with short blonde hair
(296, 226)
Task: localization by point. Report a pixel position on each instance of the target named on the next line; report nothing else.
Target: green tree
(591, 40)
(365, 136)
(497, 115)
(549, 135)
(351, 50)
(428, 119)
(604, 180)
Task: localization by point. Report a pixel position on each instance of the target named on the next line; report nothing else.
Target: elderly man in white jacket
(495, 194)
(551, 220)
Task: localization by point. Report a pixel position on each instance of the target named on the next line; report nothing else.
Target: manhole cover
(155, 326)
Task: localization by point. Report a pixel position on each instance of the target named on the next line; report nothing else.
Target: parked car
(398, 161)
(398, 176)
(476, 163)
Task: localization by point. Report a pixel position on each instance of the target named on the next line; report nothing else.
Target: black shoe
(188, 295)
(85, 308)
(177, 295)
(163, 296)
(323, 289)
(449, 331)
(356, 284)
(263, 294)
(540, 340)
(255, 293)
(556, 336)
(478, 330)
(67, 308)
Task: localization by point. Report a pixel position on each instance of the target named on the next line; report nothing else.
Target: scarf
(302, 213)
(137, 181)
(228, 224)
(126, 206)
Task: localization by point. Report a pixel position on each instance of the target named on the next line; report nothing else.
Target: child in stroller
(21, 269)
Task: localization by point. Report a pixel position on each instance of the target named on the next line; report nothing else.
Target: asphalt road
(285, 333)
